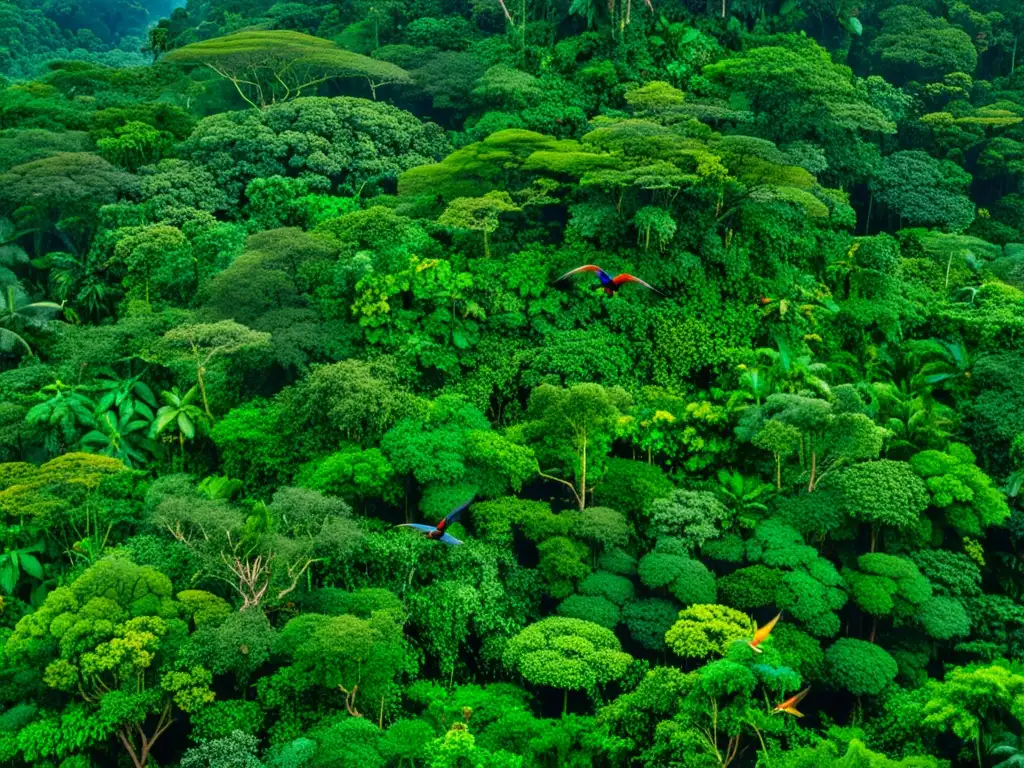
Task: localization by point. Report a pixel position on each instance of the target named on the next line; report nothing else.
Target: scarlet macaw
(610, 285)
(789, 705)
(762, 634)
(438, 532)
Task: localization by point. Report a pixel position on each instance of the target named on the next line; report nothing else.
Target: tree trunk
(867, 222)
(202, 391)
(814, 468)
(583, 474)
(565, 701)
(874, 538)
(778, 471)
(874, 629)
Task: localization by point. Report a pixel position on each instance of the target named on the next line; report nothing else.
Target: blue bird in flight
(439, 532)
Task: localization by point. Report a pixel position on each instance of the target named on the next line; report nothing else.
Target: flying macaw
(610, 285)
(789, 705)
(439, 532)
(762, 634)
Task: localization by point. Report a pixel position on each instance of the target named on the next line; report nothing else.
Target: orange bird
(789, 705)
(762, 634)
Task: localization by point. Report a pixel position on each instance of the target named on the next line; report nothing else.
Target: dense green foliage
(278, 276)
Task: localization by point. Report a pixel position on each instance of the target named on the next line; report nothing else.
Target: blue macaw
(438, 532)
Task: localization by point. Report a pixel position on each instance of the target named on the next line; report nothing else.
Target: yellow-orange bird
(789, 705)
(762, 634)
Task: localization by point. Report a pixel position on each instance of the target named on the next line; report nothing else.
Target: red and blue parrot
(439, 532)
(610, 285)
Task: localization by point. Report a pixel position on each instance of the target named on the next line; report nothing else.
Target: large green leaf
(164, 417)
(31, 566)
(186, 426)
(8, 576)
(144, 393)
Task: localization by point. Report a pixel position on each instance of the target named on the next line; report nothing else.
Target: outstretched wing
(604, 276)
(417, 526)
(452, 516)
(789, 705)
(449, 540)
(627, 278)
(762, 632)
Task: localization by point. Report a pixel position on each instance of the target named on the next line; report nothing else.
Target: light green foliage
(266, 66)
(359, 657)
(445, 611)
(478, 214)
(566, 653)
(134, 144)
(826, 755)
(886, 585)
(882, 493)
(973, 699)
(958, 486)
(571, 431)
(561, 564)
(452, 445)
(706, 630)
(158, 261)
(431, 333)
(106, 642)
(353, 474)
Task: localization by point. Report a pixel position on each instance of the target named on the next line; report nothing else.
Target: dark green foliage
(279, 277)
(749, 587)
(859, 667)
(358, 143)
(648, 620)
